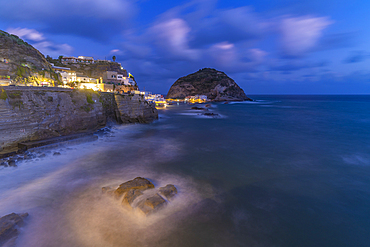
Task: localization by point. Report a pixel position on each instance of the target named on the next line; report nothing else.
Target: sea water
(279, 171)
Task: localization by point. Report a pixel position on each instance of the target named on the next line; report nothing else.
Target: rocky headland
(36, 113)
(216, 85)
(22, 63)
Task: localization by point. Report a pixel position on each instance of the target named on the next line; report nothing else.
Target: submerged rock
(11, 163)
(108, 190)
(169, 191)
(151, 204)
(130, 196)
(9, 225)
(148, 202)
(137, 183)
(56, 153)
(198, 108)
(211, 114)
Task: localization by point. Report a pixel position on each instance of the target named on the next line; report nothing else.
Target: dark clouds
(96, 19)
(245, 43)
(357, 56)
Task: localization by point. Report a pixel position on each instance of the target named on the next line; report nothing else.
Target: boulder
(130, 196)
(198, 108)
(107, 190)
(138, 183)
(169, 191)
(9, 225)
(151, 204)
(210, 114)
(11, 162)
(146, 203)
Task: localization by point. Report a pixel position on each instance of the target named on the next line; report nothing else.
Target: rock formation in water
(9, 225)
(35, 113)
(216, 85)
(22, 62)
(134, 197)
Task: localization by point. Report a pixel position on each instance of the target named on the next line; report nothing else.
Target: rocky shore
(34, 113)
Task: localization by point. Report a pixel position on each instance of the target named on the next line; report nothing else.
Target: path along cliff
(35, 113)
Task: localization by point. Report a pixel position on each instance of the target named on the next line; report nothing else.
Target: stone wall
(28, 113)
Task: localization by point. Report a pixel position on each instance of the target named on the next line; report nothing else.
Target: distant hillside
(21, 61)
(216, 85)
(95, 70)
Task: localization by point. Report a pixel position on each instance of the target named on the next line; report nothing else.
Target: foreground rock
(9, 225)
(138, 183)
(216, 85)
(169, 191)
(135, 198)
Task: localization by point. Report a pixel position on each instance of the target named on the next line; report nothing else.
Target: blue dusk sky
(266, 46)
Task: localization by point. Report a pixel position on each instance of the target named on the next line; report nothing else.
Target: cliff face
(216, 85)
(96, 70)
(134, 109)
(21, 61)
(39, 113)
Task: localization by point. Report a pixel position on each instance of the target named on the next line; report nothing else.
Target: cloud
(356, 57)
(39, 41)
(301, 34)
(173, 36)
(53, 50)
(294, 65)
(25, 33)
(97, 19)
(232, 25)
(116, 52)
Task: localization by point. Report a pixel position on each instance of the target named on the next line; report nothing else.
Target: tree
(60, 59)
(49, 59)
(114, 58)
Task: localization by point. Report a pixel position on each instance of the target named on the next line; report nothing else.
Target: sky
(266, 46)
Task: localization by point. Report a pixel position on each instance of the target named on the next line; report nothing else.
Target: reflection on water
(292, 174)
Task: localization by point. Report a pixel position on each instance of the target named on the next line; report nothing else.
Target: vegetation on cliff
(216, 85)
(95, 70)
(23, 63)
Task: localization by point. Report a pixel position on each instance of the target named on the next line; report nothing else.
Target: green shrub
(3, 94)
(89, 99)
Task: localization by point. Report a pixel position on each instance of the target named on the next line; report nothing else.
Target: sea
(280, 171)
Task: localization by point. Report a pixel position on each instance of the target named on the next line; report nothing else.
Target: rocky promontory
(216, 85)
(37, 113)
(21, 62)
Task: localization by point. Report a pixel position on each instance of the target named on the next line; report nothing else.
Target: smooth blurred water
(280, 171)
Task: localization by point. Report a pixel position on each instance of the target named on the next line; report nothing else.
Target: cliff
(22, 62)
(29, 114)
(96, 70)
(216, 85)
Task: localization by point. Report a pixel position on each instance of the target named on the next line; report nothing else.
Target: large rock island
(216, 85)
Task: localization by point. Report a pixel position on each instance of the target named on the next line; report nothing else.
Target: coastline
(36, 114)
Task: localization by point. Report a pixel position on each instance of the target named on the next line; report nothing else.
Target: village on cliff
(111, 81)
